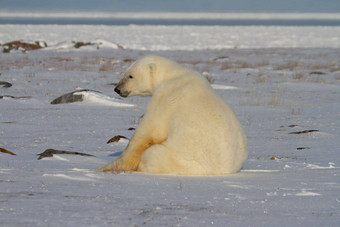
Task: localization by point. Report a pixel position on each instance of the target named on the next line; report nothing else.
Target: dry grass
(337, 77)
(106, 67)
(262, 63)
(29, 74)
(65, 59)
(288, 65)
(298, 75)
(271, 98)
(234, 66)
(275, 100)
(332, 66)
(251, 99)
(297, 111)
(227, 65)
(261, 78)
(276, 97)
(242, 64)
(319, 80)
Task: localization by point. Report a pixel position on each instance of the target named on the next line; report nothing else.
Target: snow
(100, 99)
(273, 89)
(223, 87)
(179, 37)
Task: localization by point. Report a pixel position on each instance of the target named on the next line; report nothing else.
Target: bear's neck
(167, 75)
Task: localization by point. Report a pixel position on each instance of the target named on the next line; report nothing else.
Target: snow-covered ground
(180, 37)
(278, 90)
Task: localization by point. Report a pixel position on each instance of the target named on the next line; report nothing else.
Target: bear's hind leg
(158, 159)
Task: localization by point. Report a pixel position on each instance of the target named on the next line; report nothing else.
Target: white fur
(186, 129)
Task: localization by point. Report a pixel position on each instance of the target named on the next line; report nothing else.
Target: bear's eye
(131, 77)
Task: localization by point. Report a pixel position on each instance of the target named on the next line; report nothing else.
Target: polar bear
(186, 129)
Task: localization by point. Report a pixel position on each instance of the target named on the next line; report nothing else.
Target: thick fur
(186, 129)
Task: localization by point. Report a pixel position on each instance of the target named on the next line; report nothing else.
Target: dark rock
(302, 148)
(81, 44)
(22, 46)
(5, 84)
(304, 131)
(317, 73)
(128, 60)
(97, 43)
(116, 139)
(71, 97)
(51, 152)
(13, 97)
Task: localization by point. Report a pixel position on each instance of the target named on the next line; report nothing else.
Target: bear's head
(138, 78)
(144, 75)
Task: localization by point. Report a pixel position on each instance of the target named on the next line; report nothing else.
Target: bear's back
(203, 128)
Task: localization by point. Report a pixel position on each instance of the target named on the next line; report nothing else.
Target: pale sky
(174, 5)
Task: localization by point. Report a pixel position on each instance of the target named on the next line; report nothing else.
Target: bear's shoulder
(185, 86)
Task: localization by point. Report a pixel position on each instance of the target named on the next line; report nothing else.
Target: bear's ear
(152, 68)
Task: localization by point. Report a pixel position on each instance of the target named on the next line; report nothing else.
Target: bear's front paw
(119, 166)
(106, 168)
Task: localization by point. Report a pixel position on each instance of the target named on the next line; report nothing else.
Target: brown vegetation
(3, 150)
(22, 46)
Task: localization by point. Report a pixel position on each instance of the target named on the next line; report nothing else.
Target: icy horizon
(135, 37)
(174, 15)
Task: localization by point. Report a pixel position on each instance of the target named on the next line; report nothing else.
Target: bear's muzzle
(121, 93)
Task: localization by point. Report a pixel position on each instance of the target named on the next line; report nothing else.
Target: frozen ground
(180, 37)
(287, 180)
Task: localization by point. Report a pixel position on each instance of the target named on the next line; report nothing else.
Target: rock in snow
(22, 46)
(92, 45)
(5, 84)
(87, 95)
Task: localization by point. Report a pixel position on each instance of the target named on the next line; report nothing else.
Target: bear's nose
(117, 90)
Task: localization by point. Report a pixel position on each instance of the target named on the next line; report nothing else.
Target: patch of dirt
(3, 150)
(116, 139)
(22, 46)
